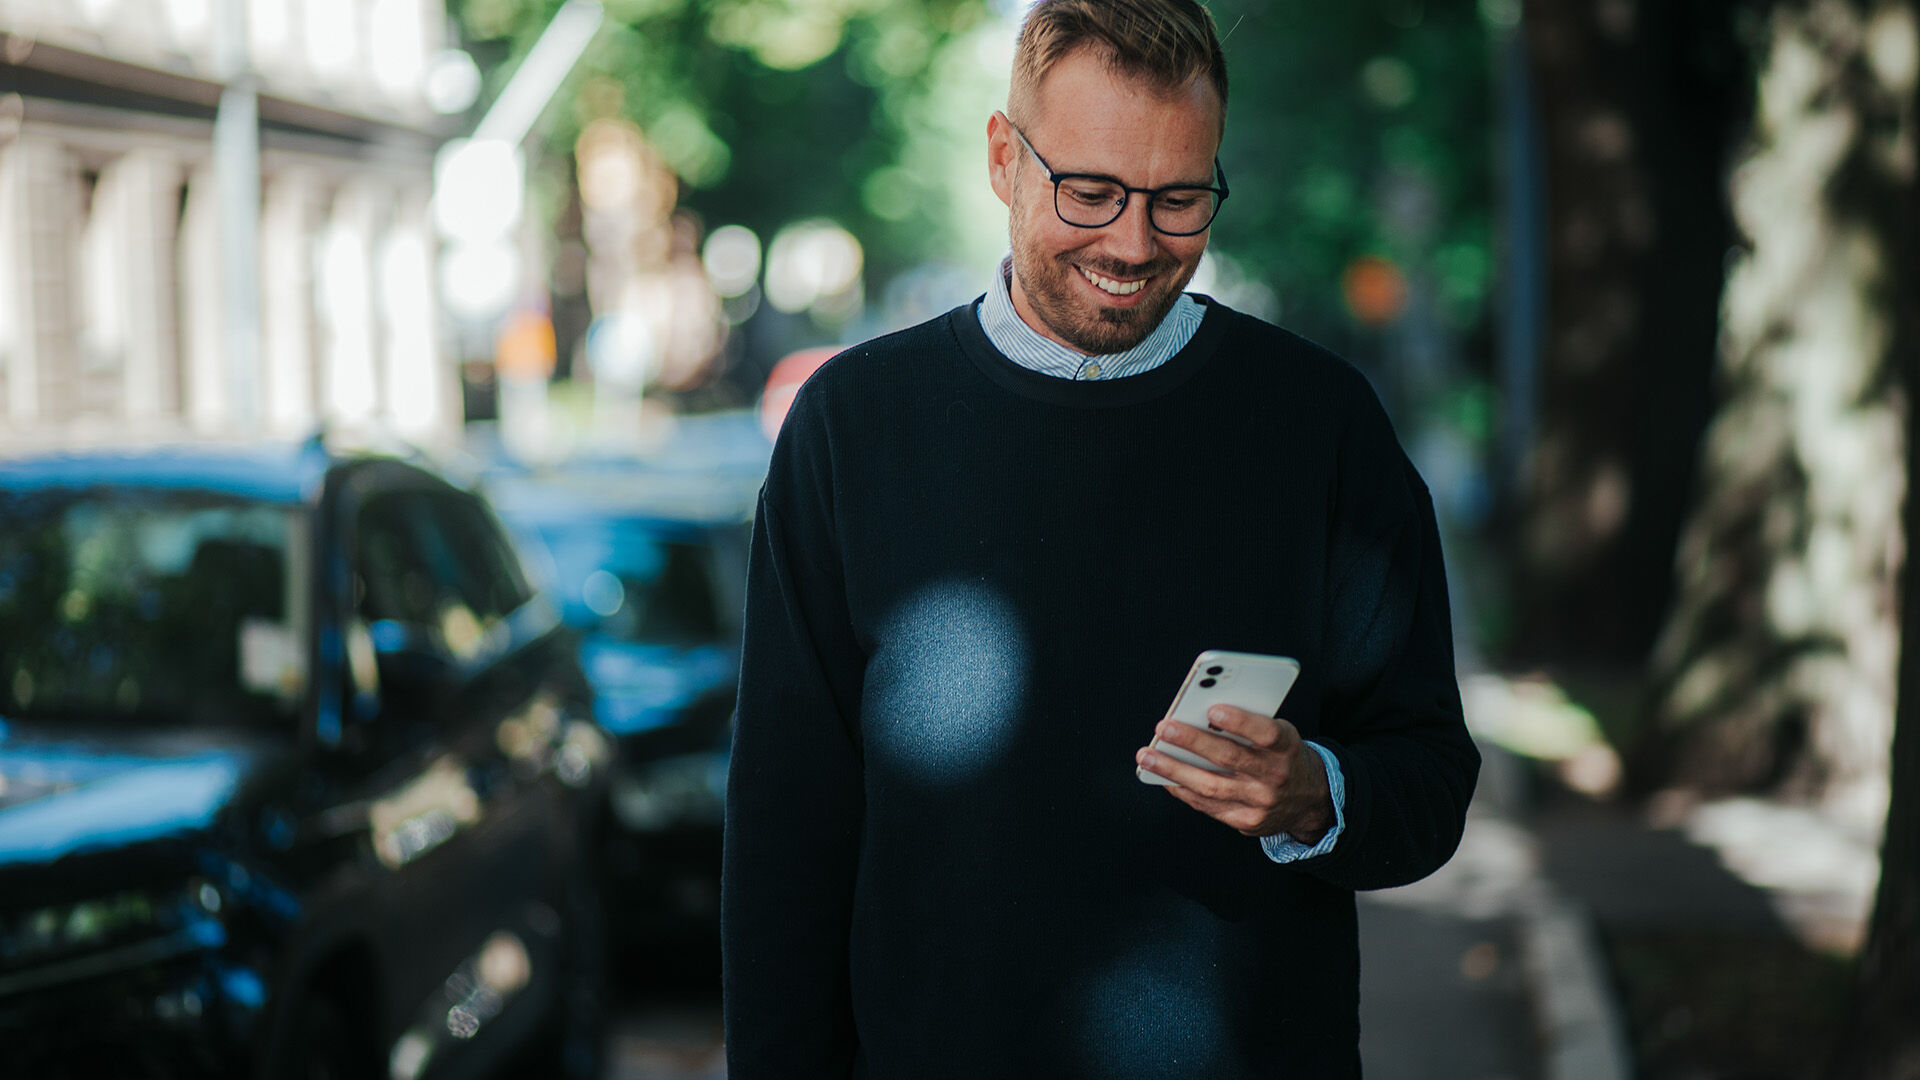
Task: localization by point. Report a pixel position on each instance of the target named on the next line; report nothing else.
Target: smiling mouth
(1110, 286)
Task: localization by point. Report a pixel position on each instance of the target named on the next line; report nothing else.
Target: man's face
(1102, 290)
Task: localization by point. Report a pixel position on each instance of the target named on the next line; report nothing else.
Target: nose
(1130, 237)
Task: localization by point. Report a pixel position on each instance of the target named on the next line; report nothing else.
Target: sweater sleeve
(1391, 713)
(794, 795)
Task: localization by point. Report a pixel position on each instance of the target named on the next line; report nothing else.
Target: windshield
(625, 580)
(167, 606)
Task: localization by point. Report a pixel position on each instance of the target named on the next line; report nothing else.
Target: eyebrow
(1212, 175)
(1207, 183)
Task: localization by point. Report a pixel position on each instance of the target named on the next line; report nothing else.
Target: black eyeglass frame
(1126, 193)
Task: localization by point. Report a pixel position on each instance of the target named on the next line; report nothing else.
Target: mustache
(1114, 268)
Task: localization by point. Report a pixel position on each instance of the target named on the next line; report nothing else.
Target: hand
(1278, 784)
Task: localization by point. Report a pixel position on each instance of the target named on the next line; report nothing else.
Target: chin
(1115, 330)
(1059, 296)
(1109, 336)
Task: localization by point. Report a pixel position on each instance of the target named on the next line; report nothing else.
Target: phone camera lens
(1207, 682)
(1215, 669)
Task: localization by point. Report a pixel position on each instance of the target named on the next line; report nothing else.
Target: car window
(485, 570)
(164, 606)
(435, 558)
(678, 604)
(634, 581)
(392, 565)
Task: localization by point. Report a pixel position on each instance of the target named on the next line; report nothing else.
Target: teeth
(1108, 285)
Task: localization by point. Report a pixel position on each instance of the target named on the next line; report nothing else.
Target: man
(986, 553)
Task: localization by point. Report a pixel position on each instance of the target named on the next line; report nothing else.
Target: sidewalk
(1729, 927)
(1442, 997)
(1576, 939)
(1484, 971)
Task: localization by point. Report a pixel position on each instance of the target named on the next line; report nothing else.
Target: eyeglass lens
(1091, 203)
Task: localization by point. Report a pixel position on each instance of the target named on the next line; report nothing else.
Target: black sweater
(973, 591)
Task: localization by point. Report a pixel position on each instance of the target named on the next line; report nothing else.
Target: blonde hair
(1169, 43)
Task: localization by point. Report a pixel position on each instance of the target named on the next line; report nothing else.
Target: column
(420, 386)
(349, 369)
(41, 201)
(291, 218)
(140, 193)
(203, 365)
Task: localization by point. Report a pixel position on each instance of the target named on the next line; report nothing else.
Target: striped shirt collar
(1027, 347)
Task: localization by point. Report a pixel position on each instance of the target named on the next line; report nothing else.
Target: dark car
(650, 569)
(296, 776)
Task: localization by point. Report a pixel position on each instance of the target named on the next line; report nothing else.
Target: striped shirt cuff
(1282, 848)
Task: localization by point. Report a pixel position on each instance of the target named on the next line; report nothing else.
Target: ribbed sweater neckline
(1089, 394)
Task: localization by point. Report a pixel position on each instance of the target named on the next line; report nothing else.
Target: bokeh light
(811, 262)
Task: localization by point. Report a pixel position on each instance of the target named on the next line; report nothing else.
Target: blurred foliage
(769, 110)
(1358, 129)
(1354, 129)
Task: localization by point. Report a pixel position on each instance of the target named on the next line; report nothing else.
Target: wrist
(1313, 825)
(1318, 815)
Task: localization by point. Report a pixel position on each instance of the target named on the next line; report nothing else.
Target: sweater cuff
(1282, 848)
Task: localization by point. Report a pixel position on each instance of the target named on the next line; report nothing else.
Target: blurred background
(1635, 278)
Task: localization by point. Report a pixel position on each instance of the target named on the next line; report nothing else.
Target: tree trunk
(1883, 1037)
(1883, 1042)
(1776, 668)
(1639, 101)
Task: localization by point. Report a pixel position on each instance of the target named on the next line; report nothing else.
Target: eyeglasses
(1091, 201)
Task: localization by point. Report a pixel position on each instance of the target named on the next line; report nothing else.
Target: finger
(1218, 751)
(1222, 751)
(1208, 744)
(1195, 779)
(1243, 819)
(1268, 732)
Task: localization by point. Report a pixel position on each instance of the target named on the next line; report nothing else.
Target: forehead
(1096, 119)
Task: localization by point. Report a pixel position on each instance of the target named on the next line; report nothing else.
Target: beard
(1090, 327)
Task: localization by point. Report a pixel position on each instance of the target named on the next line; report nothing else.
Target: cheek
(1041, 226)
(1040, 233)
(1021, 222)
(1189, 253)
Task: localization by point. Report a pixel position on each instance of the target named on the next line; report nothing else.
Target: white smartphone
(1251, 681)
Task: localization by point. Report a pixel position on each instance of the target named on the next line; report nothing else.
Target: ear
(1002, 155)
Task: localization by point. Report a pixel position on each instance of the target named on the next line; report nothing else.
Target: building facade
(115, 311)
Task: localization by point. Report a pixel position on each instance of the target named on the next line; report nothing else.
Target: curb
(1576, 1015)
(1582, 1032)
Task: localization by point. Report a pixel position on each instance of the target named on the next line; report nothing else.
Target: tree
(767, 110)
(774, 109)
(1777, 667)
(1775, 670)
(1359, 130)
(1639, 107)
(1884, 1040)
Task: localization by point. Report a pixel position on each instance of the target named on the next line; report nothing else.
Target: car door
(463, 729)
